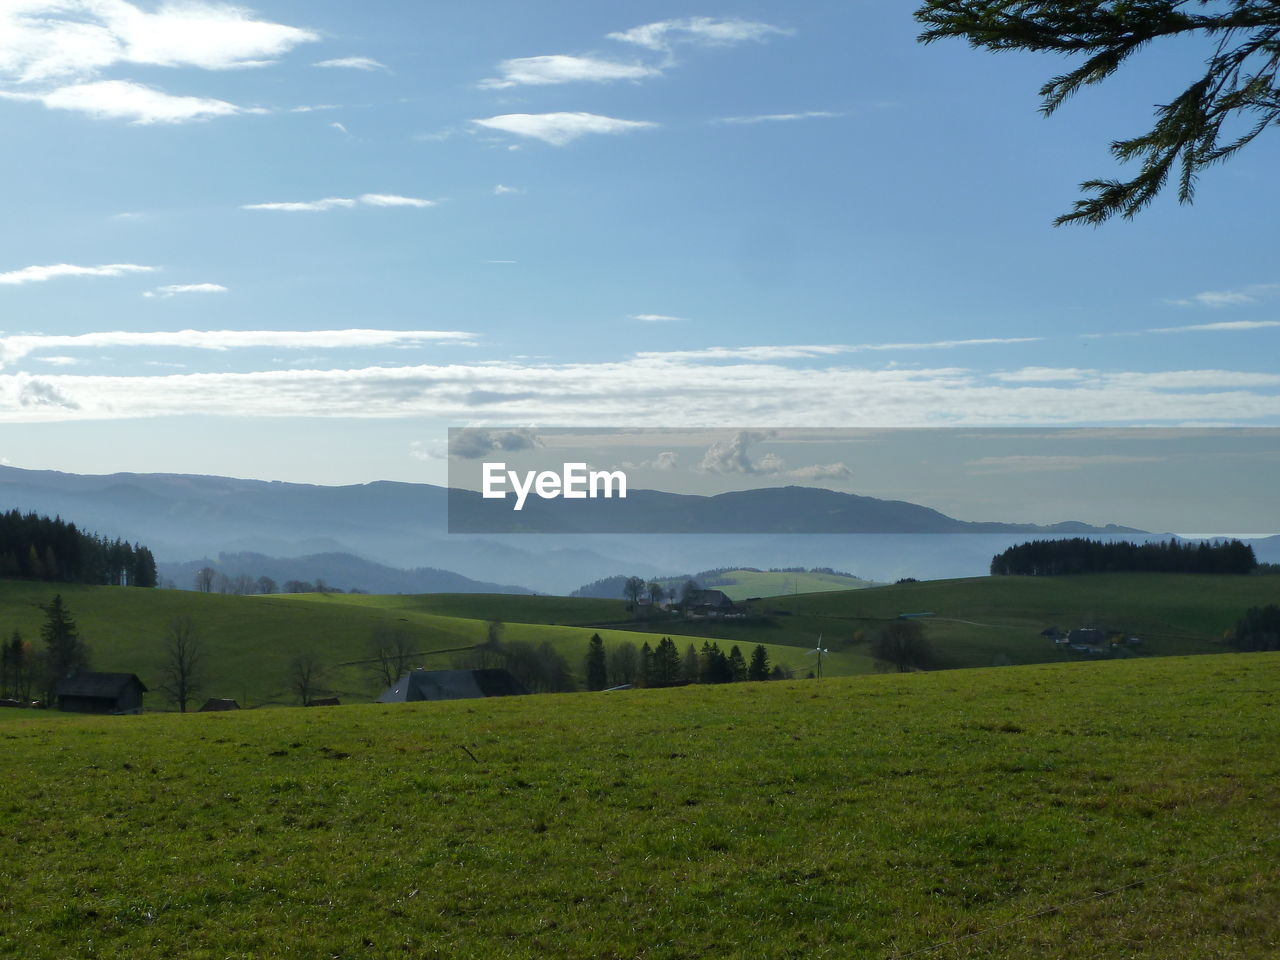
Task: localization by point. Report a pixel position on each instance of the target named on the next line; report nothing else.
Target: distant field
(751, 583)
(250, 640)
(1109, 811)
(983, 621)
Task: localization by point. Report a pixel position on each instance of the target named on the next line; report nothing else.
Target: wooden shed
(101, 693)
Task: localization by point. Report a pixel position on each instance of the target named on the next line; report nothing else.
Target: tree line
(35, 547)
(27, 669)
(1040, 558)
(1258, 629)
(664, 666)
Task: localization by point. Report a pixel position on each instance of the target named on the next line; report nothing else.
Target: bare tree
(183, 667)
(266, 585)
(393, 653)
(305, 675)
(204, 579)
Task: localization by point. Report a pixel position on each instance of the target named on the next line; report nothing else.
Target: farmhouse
(1087, 640)
(101, 693)
(452, 685)
(708, 603)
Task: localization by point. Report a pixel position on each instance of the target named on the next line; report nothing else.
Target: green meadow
(1126, 809)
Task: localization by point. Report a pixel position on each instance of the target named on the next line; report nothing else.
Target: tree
(687, 590)
(759, 667)
(597, 664)
(632, 590)
(298, 586)
(1258, 629)
(392, 652)
(657, 593)
(305, 676)
(265, 585)
(66, 653)
(665, 665)
(689, 664)
(204, 579)
(902, 644)
(624, 661)
(182, 671)
(144, 567)
(1221, 111)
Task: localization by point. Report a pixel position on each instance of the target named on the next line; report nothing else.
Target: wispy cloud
(15, 347)
(43, 40)
(352, 63)
(1253, 293)
(656, 318)
(502, 189)
(559, 129)
(607, 393)
(339, 203)
(1223, 325)
(174, 289)
(341, 128)
(810, 351)
(701, 31)
(559, 68)
(733, 456)
(777, 117)
(41, 274)
(1044, 374)
(134, 102)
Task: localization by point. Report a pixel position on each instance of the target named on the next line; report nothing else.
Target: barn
(101, 693)
(218, 703)
(452, 685)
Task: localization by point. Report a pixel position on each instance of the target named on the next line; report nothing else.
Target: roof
(107, 685)
(452, 685)
(218, 703)
(709, 598)
(1089, 635)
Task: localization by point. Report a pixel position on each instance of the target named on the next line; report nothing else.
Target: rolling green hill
(756, 583)
(250, 641)
(983, 621)
(1107, 811)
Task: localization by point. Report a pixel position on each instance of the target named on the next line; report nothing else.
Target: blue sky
(298, 241)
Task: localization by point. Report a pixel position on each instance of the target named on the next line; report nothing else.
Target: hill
(738, 584)
(1073, 812)
(986, 621)
(250, 641)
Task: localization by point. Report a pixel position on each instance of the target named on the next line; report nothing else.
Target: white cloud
(336, 203)
(558, 129)
(125, 100)
(558, 68)
(656, 318)
(605, 394)
(701, 31)
(352, 63)
(392, 200)
(1044, 374)
(776, 117)
(1229, 298)
(17, 346)
(41, 274)
(176, 288)
(335, 125)
(44, 40)
(502, 189)
(1224, 325)
(801, 351)
(472, 443)
(60, 361)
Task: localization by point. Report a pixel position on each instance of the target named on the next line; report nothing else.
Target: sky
(300, 241)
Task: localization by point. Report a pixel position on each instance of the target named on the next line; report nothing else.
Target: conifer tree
(596, 664)
(759, 668)
(66, 652)
(1237, 97)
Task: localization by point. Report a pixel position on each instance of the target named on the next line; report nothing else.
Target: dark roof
(1089, 635)
(218, 703)
(452, 685)
(108, 685)
(709, 598)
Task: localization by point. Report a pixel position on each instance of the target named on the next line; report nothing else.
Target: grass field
(756, 583)
(1128, 809)
(250, 641)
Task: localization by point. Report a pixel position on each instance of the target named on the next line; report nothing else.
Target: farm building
(1087, 639)
(452, 685)
(708, 603)
(101, 693)
(218, 703)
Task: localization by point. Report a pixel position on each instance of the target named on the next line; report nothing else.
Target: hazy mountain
(342, 570)
(187, 518)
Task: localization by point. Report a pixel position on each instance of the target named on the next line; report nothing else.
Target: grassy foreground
(859, 817)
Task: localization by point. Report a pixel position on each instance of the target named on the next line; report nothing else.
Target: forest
(1040, 558)
(34, 547)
